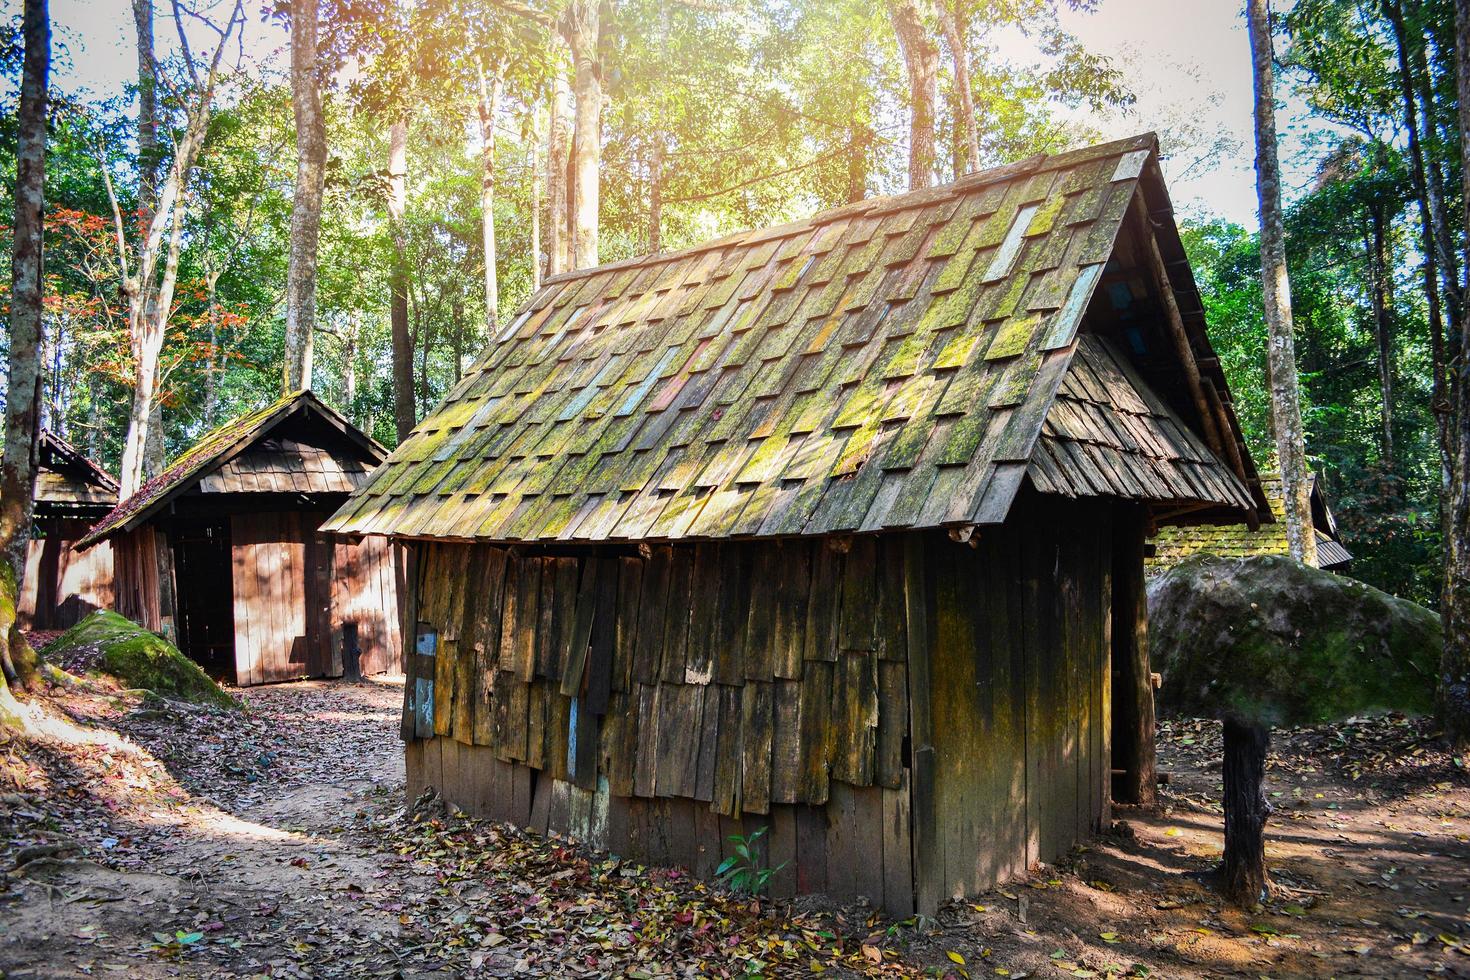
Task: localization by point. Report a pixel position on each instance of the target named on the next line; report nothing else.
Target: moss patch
(1276, 641)
(106, 643)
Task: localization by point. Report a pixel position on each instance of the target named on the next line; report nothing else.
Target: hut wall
(140, 592)
(293, 590)
(872, 700)
(62, 584)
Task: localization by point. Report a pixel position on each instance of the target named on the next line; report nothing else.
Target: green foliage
(742, 871)
(112, 645)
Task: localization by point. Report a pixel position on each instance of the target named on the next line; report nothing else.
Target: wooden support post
(1133, 749)
(1175, 322)
(927, 867)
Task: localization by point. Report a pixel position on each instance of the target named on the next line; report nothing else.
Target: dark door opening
(206, 620)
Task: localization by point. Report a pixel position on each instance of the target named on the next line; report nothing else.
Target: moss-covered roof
(219, 447)
(1173, 545)
(888, 364)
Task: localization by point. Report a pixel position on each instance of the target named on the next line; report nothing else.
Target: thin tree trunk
(147, 111)
(1383, 333)
(656, 196)
(952, 21)
(1243, 868)
(911, 20)
(558, 155)
(306, 203)
(583, 29)
(404, 414)
(1285, 397)
(857, 165)
(488, 105)
(1455, 604)
(23, 401)
(536, 250)
(212, 367)
(349, 363)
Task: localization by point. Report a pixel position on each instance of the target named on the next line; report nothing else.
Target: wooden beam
(1175, 322)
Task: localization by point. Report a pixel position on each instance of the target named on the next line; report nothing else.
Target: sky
(1187, 61)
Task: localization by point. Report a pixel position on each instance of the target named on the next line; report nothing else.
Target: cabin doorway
(205, 622)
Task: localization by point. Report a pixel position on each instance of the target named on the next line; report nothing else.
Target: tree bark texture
(966, 131)
(537, 256)
(306, 203)
(147, 110)
(558, 155)
(1243, 867)
(1455, 604)
(1134, 747)
(23, 401)
(912, 20)
(488, 105)
(404, 415)
(1383, 332)
(1286, 415)
(582, 28)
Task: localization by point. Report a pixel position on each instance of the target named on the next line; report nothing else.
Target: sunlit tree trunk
(1286, 413)
(952, 20)
(1455, 605)
(558, 158)
(1382, 331)
(306, 203)
(582, 28)
(537, 252)
(656, 196)
(147, 110)
(23, 401)
(489, 103)
(912, 20)
(404, 415)
(212, 365)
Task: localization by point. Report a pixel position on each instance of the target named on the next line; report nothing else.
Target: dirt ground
(170, 841)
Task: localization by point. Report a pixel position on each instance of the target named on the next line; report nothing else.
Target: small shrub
(741, 871)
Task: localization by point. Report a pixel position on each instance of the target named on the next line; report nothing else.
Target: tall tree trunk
(952, 21)
(306, 203)
(404, 415)
(1455, 604)
(349, 363)
(1286, 413)
(536, 250)
(582, 27)
(656, 196)
(488, 105)
(1243, 867)
(558, 156)
(857, 164)
(911, 25)
(147, 111)
(212, 366)
(1383, 332)
(23, 401)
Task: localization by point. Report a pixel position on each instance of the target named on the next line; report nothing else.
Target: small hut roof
(223, 456)
(1174, 544)
(888, 364)
(68, 478)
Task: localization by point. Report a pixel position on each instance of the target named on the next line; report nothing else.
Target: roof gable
(885, 365)
(66, 477)
(220, 449)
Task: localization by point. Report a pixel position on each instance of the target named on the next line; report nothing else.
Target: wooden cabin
(63, 584)
(1174, 544)
(221, 551)
(834, 528)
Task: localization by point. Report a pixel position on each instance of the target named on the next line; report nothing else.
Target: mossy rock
(106, 643)
(1269, 639)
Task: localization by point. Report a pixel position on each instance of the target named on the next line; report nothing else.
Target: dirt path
(276, 844)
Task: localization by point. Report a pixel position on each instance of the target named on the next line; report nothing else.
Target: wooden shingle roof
(888, 364)
(67, 477)
(242, 456)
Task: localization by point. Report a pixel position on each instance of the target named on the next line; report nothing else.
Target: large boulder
(106, 643)
(1271, 640)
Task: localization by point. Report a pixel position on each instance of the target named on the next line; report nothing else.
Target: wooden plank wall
(61, 584)
(1019, 694)
(772, 682)
(293, 591)
(856, 846)
(137, 594)
(365, 592)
